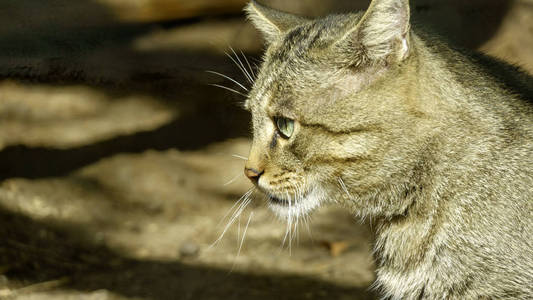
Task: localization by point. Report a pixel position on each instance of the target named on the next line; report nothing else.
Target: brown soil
(118, 162)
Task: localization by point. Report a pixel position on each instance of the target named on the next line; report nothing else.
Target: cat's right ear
(272, 23)
(382, 34)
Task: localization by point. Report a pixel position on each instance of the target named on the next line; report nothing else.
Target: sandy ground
(119, 163)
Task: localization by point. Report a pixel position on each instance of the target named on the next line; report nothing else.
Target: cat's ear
(272, 23)
(382, 34)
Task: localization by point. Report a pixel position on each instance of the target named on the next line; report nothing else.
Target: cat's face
(319, 132)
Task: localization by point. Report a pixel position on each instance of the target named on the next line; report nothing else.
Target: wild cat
(435, 145)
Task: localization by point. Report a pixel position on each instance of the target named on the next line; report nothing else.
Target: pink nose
(253, 174)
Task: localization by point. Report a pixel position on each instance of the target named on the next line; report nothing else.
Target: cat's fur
(436, 146)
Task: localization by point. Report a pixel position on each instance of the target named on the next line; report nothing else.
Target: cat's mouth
(280, 201)
(295, 207)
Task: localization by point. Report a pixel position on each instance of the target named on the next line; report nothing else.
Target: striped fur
(433, 144)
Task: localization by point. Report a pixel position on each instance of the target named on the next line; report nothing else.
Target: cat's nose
(253, 174)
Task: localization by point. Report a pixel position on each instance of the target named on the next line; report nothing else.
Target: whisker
(232, 220)
(233, 179)
(234, 205)
(241, 63)
(306, 223)
(239, 228)
(229, 78)
(244, 201)
(290, 223)
(229, 89)
(242, 240)
(285, 237)
(248, 76)
(240, 67)
(240, 209)
(296, 236)
(240, 156)
(249, 66)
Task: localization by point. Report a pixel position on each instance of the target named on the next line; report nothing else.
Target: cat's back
(483, 227)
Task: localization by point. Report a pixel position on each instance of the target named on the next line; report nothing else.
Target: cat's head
(325, 105)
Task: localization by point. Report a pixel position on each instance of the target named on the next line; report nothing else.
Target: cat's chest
(401, 285)
(412, 261)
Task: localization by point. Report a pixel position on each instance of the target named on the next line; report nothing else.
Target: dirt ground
(119, 162)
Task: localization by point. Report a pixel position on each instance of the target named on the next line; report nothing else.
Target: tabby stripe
(274, 140)
(341, 160)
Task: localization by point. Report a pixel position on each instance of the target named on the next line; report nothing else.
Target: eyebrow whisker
(229, 89)
(229, 78)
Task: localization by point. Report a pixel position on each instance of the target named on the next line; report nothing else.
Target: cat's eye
(285, 126)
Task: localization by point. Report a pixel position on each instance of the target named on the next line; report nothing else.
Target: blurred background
(119, 158)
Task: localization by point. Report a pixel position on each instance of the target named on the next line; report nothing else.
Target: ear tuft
(272, 23)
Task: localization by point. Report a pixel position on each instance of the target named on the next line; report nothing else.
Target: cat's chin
(296, 208)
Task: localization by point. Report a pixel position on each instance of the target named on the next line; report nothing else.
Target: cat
(434, 144)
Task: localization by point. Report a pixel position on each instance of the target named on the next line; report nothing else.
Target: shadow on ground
(207, 121)
(39, 251)
(60, 45)
(66, 42)
(63, 42)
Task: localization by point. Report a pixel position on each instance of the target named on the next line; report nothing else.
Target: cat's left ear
(382, 34)
(272, 23)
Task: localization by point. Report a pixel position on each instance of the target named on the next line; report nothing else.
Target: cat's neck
(456, 130)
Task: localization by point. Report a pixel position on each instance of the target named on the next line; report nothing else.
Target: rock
(189, 249)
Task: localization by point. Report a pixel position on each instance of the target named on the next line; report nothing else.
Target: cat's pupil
(285, 127)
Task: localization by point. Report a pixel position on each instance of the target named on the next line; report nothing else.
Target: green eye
(285, 126)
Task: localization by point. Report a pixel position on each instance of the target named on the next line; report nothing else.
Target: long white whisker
(242, 240)
(246, 200)
(239, 228)
(229, 89)
(233, 179)
(302, 216)
(229, 78)
(305, 217)
(306, 222)
(232, 220)
(290, 222)
(241, 66)
(239, 210)
(240, 156)
(245, 195)
(296, 233)
(296, 198)
(249, 66)
(286, 237)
